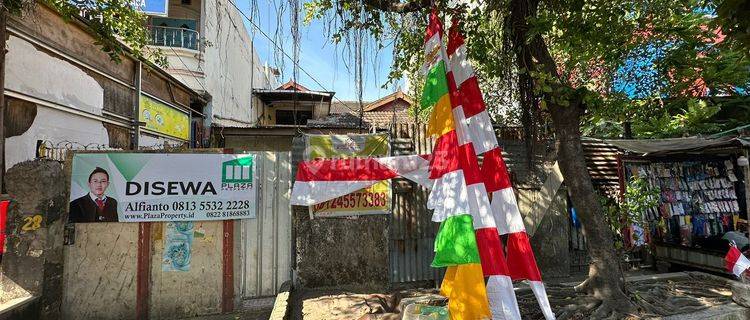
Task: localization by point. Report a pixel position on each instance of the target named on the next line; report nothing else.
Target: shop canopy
(654, 147)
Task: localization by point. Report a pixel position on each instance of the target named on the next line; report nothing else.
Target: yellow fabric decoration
(467, 295)
(441, 118)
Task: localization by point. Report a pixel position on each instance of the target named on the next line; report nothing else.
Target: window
(287, 117)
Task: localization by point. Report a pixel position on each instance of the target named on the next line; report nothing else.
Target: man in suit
(95, 206)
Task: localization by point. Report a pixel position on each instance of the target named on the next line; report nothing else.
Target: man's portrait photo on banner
(95, 206)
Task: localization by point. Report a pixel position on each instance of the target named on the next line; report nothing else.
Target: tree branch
(397, 6)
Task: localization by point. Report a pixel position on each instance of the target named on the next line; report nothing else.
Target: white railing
(174, 37)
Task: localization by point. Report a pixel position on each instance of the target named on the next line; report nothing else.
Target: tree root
(644, 299)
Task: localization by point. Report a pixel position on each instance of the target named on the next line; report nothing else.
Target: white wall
(232, 67)
(56, 127)
(152, 142)
(35, 73)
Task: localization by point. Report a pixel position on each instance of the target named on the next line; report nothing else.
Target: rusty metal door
(266, 241)
(412, 233)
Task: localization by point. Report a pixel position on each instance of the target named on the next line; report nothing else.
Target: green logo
(237, 170)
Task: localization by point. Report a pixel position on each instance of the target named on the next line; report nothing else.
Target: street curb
(281, 304)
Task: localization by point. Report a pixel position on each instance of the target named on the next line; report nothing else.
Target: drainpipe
(136, 106)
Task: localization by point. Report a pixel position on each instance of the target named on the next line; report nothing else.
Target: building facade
(64, 93)
(210, 50)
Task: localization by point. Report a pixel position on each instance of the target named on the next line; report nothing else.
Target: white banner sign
(138, 187)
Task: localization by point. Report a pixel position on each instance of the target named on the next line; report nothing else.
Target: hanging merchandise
(697, 203)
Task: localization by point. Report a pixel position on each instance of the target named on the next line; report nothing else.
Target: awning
(270, 96)
(676, 145)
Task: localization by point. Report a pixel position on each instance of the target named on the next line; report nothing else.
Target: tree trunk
(605, 273)
(605, 280)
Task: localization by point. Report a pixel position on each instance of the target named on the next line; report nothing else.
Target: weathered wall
(232, 67)
(38, 74)
(71, 37)
(34, 256)
(100, 272)
(189, 293)
(550, 241)
(342, 252)
(56, 127)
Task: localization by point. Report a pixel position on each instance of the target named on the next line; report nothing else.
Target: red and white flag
(737, 263)
(321, 180)
(474, 125)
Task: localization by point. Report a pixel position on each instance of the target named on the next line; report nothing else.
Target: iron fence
(174, 37)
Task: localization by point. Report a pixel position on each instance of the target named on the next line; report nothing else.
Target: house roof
(349, 106)
(291, 85)
(388, 99)
(269, 96)
(676, 145)
(346, 106)
(377, 119)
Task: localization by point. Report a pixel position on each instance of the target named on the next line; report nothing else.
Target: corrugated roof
(675, 145)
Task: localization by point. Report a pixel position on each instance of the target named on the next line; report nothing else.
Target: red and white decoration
(318, 181)
(737, 263)
(473, 124)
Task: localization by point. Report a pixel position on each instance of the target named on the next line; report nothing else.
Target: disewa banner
(373, 200)
(138, 187)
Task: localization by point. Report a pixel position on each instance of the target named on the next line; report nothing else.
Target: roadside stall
(702, 191)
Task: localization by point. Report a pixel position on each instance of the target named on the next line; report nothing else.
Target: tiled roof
(291, 85)
(386, 117)
(339, 107)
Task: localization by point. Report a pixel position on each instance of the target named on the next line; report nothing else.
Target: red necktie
(100, 204)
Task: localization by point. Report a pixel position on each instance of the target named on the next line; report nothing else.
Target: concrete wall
(232, 67)
(37, 74)
(100, 272)
(34, 256)
(550, 242)
(346, 253)
(56, 127)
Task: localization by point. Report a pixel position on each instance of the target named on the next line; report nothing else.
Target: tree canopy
(657, 64)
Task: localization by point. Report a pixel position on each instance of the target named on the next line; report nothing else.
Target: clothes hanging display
(698, 200)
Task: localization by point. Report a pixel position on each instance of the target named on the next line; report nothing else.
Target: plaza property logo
(237, 174)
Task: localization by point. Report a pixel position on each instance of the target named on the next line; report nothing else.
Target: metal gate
(266, 241)
(412, 232)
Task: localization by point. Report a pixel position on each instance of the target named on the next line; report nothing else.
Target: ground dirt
(654, 298)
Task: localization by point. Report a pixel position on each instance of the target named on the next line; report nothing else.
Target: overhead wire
(296, 63)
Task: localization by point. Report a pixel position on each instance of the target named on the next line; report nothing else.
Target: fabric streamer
(464, 285)
(474, 125)
(468, 242)
(455, 243)
(458, 188)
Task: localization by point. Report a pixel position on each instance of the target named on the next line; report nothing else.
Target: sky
(318, 56)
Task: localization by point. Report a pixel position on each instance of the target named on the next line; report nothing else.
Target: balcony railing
(174, 37)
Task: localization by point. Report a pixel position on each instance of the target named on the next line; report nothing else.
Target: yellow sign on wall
(164, 119)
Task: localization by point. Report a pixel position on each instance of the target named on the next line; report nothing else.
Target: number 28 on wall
(32, 223)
